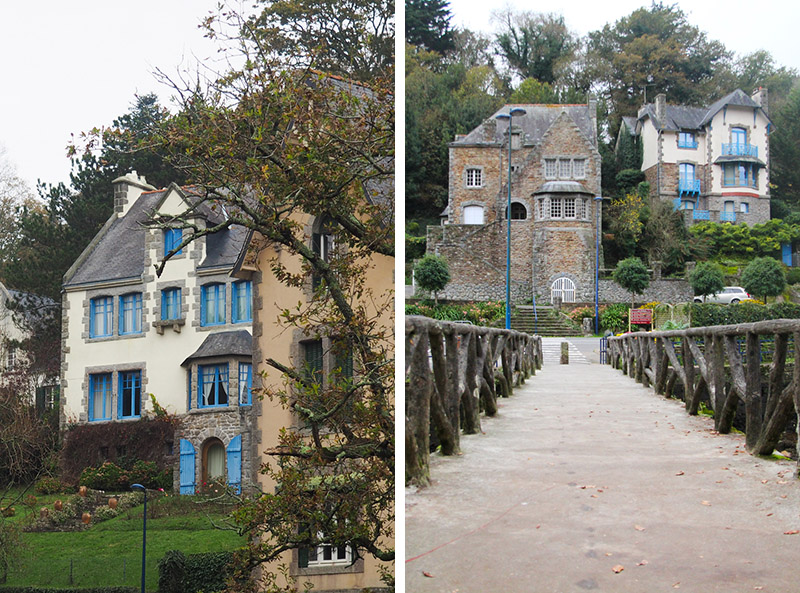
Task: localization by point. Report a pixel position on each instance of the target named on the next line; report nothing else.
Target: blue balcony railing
(727, 216)
(701, 215)
(686, 143)
(740, 150)
(688, 186)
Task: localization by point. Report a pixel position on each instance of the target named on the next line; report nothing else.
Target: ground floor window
(130, 394)
(328, 555)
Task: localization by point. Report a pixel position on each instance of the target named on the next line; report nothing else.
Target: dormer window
(172, 239)
(686, 140)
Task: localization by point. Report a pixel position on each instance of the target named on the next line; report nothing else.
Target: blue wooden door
(187, 473)
(235, 463)
(786, 253)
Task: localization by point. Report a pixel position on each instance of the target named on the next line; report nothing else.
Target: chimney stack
(661, 109)
(127, 190)
(761, 96)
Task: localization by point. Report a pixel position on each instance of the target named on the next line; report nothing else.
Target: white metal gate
(564, 289)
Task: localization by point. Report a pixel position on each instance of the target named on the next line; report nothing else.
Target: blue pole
(597, 201)
(144, 529)
(510, 117)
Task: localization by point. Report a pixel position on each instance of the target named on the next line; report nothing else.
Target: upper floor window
(245, 383)
(171, 303)
(686, 140)
(738, 136)
(739, 174)
(329, 555)
(569, 207)
(579, 168)
(213, 385)
(212, 304)
(242, 299)
(473, 214)
(550, 168)
(564, 168)
(474, 177)
(100, 397)
(313, 356)
(130, 394)
(100, 315)
(130, 313)
(172, 238)
(323, 243)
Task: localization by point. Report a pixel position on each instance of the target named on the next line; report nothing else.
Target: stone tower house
(555, 177)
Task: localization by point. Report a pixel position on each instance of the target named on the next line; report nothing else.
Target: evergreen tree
(428, 25)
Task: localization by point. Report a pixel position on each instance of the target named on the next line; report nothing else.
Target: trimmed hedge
(196, 572)
(706, 314)
(50, 590)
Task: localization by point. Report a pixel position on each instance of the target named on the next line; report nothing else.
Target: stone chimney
(127, 190)
(593, 116)
(661, 109)
(761, 96)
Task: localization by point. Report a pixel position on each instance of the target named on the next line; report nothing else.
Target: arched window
(473, 214)
(564, 289)
(518, 211)
(213, 460)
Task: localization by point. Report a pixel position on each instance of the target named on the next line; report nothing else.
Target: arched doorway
(213, 461)
(563, 289)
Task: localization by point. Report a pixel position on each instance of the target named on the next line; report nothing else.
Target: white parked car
(729, 294)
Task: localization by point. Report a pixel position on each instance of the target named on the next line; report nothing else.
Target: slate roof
(562, 187)
(117, 251)
(229, 343)
(681, 117)
(536, 121)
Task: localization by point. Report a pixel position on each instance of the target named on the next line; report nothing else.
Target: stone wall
(666, 290)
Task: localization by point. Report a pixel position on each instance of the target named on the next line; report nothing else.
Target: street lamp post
(141, 488)
(597, 201)
(510, 117)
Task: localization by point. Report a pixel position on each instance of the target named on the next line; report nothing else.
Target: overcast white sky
(742, 25)
(67, 67)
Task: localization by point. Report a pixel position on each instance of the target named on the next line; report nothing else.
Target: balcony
(687, 143)
(740, 150)
(727, 216)
(688, 185)
(701, 215)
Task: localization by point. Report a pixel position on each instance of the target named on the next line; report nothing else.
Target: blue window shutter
(187, 467)
(786, 253)
(235, 463)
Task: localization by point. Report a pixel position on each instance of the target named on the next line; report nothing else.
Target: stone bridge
(587, 480)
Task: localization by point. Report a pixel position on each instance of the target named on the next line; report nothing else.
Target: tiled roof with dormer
(223, 344)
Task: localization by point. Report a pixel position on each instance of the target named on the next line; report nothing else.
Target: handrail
(451, 373)
(724, 365)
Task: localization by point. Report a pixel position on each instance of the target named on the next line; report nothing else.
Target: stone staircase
(548, 322)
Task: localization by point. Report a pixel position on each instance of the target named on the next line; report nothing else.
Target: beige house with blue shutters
(184, 336)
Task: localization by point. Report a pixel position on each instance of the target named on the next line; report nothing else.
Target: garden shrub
(110, 476)
(49, 485)
(172, 572)
(479, 313)
(207, 572)
(614, 317)
(580, 313)
(82, 590)
(706, 314)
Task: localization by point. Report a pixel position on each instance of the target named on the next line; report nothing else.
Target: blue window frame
(245, 383)
(100, 315)
(130, 394)
(130, 313)
(242, 298)
(212, 386)
(738, 137)
(171, 303)
(313, 355)
(212, 304)
(100, 397)
(686, 140)
(172, 238)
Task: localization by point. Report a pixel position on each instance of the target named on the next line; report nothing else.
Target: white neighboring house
(15, 308)
(185, 337)
(712, 162)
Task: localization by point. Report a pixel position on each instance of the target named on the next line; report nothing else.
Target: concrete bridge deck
(585, 472)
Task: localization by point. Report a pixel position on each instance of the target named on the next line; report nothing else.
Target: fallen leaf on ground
(679, 474)
(642, 563)
(705, 502)
(638, 528)
(791, 532)
(427, 574)
(618, 568)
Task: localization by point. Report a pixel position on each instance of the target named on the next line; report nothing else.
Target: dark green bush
(172, 572)
(614, 317)
(207, 572)
(49, 485)
(793, 276)
(705, 314)
(110, 476)
(479, 313)
(53, 590)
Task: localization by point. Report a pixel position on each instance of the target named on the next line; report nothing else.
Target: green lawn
(110, 553)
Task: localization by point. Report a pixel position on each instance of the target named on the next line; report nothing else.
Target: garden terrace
(454, 372)
(753, 364)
